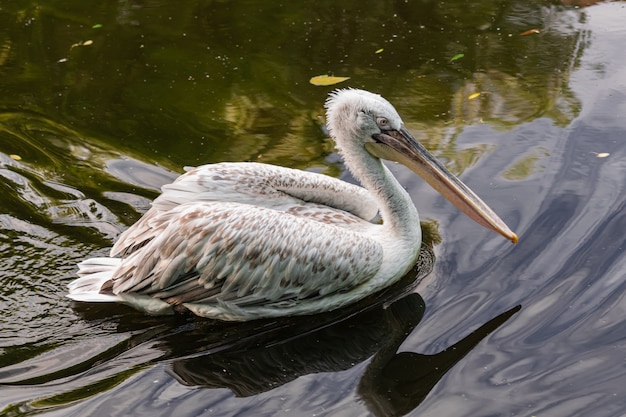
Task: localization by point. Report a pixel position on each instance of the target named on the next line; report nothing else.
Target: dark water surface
(103, 102)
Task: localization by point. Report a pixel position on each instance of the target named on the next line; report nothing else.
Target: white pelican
(242, 241)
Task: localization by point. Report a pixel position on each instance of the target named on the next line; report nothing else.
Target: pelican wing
(243, 255)
(262, 185)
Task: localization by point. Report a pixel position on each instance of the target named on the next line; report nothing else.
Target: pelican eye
(382, 122)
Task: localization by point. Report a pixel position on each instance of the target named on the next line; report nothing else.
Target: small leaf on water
(530, 32)
(85, 43)
(327, 80)
(96, 26)
(602, 154)
(15, 157)
(473, 96)
(457, 56)
(379, 50)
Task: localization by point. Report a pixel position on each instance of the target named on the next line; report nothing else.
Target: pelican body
(243, 241)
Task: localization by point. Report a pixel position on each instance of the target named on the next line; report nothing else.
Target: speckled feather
(250, 254)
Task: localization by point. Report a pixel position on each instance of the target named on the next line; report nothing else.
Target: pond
(104, 102)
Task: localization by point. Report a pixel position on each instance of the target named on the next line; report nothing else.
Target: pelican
(243, 241)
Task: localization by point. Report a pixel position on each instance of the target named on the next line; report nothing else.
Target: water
(101, 104)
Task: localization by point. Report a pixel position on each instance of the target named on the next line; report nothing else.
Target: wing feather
(299, 192)
(242, 254)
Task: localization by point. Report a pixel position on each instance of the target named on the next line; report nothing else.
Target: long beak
(400, 146)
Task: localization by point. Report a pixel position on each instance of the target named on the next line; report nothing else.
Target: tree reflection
(210, 81)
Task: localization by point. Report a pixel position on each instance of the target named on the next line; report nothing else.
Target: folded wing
(243, 255)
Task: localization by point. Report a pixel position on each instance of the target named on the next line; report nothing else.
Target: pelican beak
(400, 146)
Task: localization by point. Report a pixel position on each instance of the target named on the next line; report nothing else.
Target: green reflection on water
(207, 81)
(526, 165)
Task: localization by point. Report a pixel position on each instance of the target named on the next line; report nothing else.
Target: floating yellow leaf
(380, 50)
(529, 32)
(457, 56)
(85, 43)
(602, 154)
(15, 157)
(473, 96)
(327, 80)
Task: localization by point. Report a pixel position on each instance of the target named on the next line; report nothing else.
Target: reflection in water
(260, 365)
(396, 383)
(218, 78)
(48, 159)
(393, 383)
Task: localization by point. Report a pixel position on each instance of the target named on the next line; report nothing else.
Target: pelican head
(359, 120)
(359, 114)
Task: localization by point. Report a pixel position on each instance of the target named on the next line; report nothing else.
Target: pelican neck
(397, 210)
